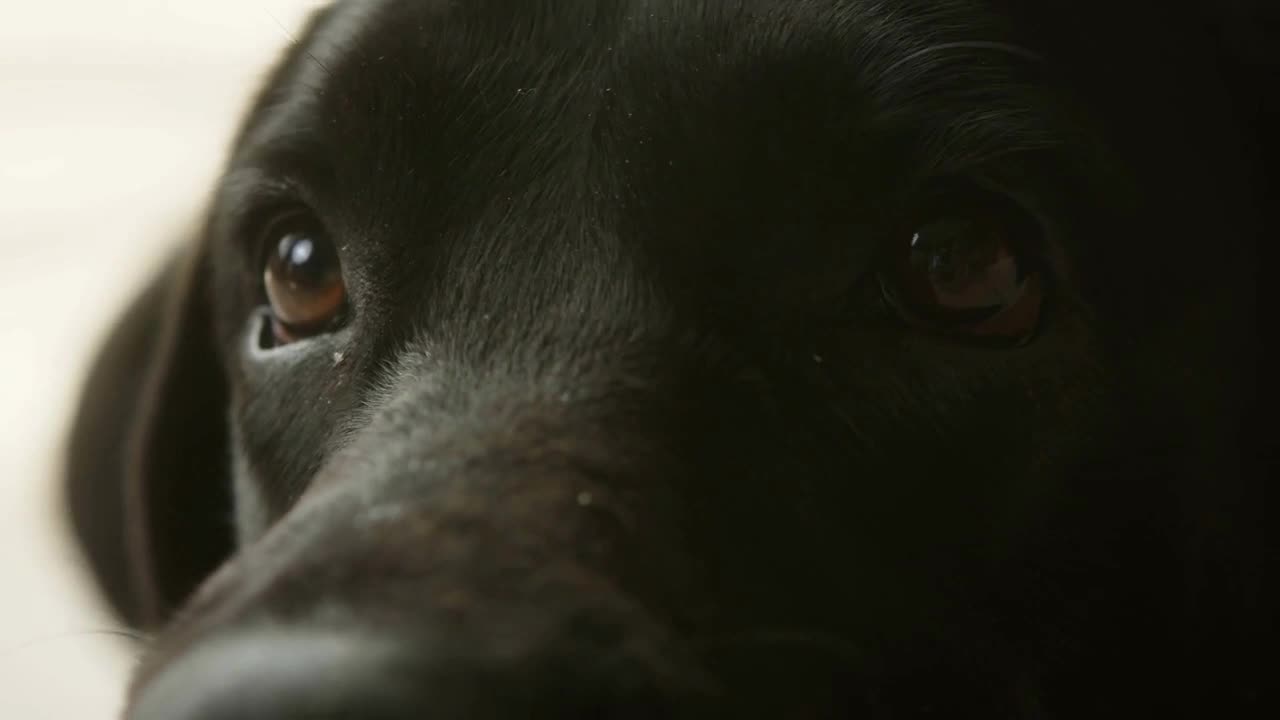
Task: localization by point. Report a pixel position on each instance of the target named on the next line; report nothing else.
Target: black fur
(617, 425)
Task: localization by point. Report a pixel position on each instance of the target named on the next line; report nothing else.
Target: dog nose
(298, 676)
(282, 676)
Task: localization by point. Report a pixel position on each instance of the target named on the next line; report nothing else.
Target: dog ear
(148, 473)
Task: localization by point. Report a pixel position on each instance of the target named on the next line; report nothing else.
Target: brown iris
(304, 285)
(965, 269)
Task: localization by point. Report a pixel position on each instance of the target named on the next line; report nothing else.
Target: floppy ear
(148, 472)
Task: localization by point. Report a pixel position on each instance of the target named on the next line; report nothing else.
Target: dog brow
(968, 102)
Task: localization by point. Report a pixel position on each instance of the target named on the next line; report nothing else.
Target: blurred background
(114, 118)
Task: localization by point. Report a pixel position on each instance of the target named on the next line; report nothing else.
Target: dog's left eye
(303, 281)
(965, 266)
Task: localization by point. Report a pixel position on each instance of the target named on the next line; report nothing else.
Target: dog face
(816, 359)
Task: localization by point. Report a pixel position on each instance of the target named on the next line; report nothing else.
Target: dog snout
(529, 604)
(275, 675)
(320, 674)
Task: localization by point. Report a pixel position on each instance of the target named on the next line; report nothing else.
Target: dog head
(638, 359)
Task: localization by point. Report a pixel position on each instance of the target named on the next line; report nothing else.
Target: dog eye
(965, 267)
(303, 281)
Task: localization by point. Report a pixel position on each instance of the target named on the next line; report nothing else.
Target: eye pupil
(967, 265)
(965, 270)
(303, 283)
(304, 260)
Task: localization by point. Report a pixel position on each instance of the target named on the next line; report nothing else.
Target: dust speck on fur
(584, 499)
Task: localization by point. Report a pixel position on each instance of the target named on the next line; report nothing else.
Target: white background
(114, 117)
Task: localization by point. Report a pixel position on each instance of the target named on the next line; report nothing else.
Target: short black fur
(617, 424)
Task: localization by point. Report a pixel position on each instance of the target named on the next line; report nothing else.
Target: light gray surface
(114, 115)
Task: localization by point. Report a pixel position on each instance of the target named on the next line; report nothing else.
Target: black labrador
(694, 358)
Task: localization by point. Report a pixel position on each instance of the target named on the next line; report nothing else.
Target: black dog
(660, 358)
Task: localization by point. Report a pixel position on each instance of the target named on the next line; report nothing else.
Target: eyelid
(948, 194)
(254, 198)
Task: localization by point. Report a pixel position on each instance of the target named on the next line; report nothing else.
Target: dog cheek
(252, 517)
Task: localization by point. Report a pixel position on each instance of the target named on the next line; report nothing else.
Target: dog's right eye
(303, 280)
(967, 267)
